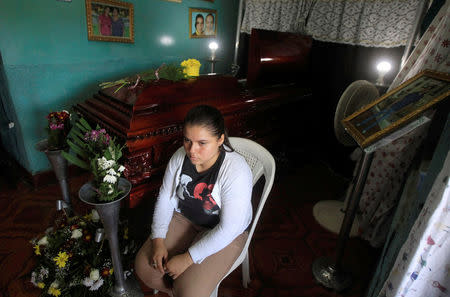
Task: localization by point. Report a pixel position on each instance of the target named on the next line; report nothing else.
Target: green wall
(51, 65)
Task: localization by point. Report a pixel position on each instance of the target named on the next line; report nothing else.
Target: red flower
(105, 272)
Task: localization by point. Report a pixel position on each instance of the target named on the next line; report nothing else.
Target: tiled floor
(285, 244)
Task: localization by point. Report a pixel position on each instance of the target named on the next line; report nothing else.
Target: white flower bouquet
(69, 262)
(96, 151)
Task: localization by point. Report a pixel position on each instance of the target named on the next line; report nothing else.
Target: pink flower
(56, 126)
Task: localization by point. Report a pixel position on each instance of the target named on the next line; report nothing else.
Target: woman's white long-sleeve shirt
(232, 192)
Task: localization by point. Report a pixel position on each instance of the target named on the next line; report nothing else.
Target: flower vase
(59, 166)
(109, 215)
(56, 139)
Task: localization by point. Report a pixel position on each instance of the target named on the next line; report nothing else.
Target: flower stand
(109, 215)
(59, 165)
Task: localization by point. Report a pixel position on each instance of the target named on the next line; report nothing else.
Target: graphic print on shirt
(202, 192)
(182, 190)
(194, 190)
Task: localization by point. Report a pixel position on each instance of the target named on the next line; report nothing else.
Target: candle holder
(212, 60)
(213, 46)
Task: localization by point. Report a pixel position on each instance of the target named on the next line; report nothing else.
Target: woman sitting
(202, 212)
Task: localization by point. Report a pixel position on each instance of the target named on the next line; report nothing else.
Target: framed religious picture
(110, 20)
(398, 107)
(202, 23)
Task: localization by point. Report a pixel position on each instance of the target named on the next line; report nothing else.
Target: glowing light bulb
(383, 67)
(213, 46)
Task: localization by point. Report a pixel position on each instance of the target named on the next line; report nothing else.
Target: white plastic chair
(261, 163)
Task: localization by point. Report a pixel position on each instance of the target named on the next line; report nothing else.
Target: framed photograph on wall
(202, 23)
(398, 107)
(110, 20)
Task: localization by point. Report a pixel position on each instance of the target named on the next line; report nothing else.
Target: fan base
(329, 215)
(326, 273)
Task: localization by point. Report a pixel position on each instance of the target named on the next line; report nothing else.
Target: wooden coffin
(149, 118)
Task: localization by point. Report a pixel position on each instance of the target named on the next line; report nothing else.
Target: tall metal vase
(109, 214)
(59, 165)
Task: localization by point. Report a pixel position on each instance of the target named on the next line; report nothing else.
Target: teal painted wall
(51, 65)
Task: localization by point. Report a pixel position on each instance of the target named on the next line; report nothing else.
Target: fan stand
(327, 271)
(330, 213)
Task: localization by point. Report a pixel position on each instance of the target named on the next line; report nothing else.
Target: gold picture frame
(110, 20)
(398, 107)
(208, 17)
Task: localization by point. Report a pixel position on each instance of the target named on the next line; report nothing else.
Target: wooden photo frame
(202, 23)
(398, 107)
(110, 20)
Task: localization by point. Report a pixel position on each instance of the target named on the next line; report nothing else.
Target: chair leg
(245, 271)
(214, 293)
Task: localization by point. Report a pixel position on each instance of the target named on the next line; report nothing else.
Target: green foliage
(96, 151)
(75, 140)
(172, 72)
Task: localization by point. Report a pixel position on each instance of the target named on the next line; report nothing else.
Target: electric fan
(330, 213)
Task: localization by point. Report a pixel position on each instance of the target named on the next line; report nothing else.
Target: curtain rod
(235, 66)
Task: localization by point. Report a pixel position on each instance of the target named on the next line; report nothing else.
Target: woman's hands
(159, 254)
(175, 266)
(178, 264)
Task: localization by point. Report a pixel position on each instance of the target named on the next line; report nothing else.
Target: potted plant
(58, 127)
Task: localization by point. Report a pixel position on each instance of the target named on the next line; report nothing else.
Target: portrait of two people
(204, 25)
(110, 21)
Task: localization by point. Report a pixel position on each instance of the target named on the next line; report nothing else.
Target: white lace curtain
(378, 23)
(276, 15)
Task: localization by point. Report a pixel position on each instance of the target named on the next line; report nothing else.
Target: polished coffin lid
(134, 114)
(277, 58)
(158, 107)
(149, 117)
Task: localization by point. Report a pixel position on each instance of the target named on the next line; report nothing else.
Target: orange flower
(105, 272)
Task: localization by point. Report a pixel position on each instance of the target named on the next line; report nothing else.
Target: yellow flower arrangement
(61, 259)
(37, 249)
(191, 67)
(54, 291)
